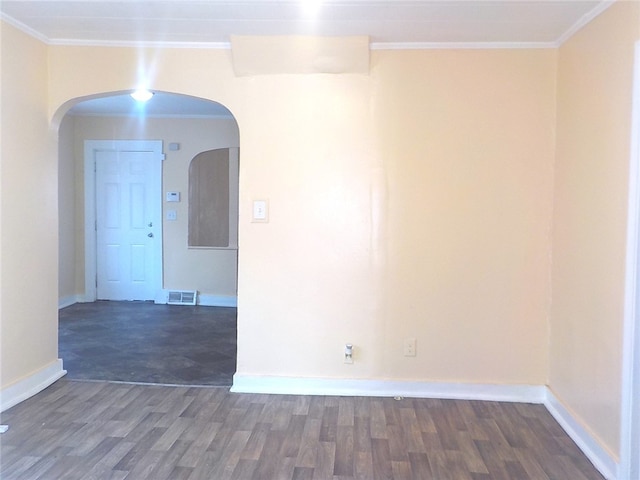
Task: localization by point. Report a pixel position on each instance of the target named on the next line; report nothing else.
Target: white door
(128, 233)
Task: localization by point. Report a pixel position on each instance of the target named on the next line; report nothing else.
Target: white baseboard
(218, 300)
(68, 301)
(203, 299)
(161, 298)
(28, 387)
(596, 454)
(387, 388)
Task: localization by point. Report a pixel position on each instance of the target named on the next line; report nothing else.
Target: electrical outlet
(348, 353)
(410, 347)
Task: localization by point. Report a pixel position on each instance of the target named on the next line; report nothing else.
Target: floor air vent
(184, 297)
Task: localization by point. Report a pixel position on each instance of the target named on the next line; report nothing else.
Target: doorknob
(150, 235)
(151, 224)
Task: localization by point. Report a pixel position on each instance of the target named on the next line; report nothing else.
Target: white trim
(90, 270)
(630, 405)
(73, 42)
(585, 441)
(218, 300)
(204, 300)
(68, 301)
(585, 19)
(28, 387)
(90, 146)
(23, 28)
(386, 388)
(460, 45)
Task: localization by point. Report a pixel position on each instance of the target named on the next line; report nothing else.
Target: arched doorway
(185, 126)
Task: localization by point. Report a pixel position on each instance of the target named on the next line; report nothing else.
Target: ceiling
(388, 23)
(209, 24)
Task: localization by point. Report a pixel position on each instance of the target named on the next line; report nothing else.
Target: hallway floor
(148, 343)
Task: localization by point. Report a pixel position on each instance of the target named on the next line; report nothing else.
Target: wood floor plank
(346, 412)
(142, 446)
(301, 405)
(268, 461)
(470, 453)
(329, 428)
(201, 443)
(493, 461)
(458, 467)
(325, 463)
(381, 458)
(437, 464)
(412, 433)
(228, 461)
(309, 443)
(172, 433)
(397, 445)
(420, 466)
(253, 448)
(344, 462)
(302, 473)
(363, 465)
(378, 420)
(94, 430)
(530, 464)
(106, 465)
(169, 461)
(362, 434)
(292, 439)
(244, 469)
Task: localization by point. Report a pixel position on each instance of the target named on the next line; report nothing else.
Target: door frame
(629, 466)
(90, 238)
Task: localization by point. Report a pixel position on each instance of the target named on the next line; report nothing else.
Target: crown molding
(137, 44)
(23, 28)
(597, 10)
(459, 45)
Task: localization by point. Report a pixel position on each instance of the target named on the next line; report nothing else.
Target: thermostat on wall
(173, 196)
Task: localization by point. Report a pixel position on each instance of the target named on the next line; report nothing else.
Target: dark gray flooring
(77, 430)
(148, 343)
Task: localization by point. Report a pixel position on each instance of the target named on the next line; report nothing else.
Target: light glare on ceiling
(142, 95)
(311, 7)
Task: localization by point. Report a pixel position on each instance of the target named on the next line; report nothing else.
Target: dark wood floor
(100, 430)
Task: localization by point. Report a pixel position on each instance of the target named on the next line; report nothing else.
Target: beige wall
(589, 227)
(467, 141)
(210, 271)
(411, 202)
(28, 214)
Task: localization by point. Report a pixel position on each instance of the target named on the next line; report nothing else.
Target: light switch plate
(260, 213)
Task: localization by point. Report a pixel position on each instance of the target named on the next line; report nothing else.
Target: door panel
(127, 220)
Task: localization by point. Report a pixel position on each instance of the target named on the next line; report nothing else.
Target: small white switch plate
(172, 215)
(260, 211)
(410, 347)
(348, 353)
(173, 196)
